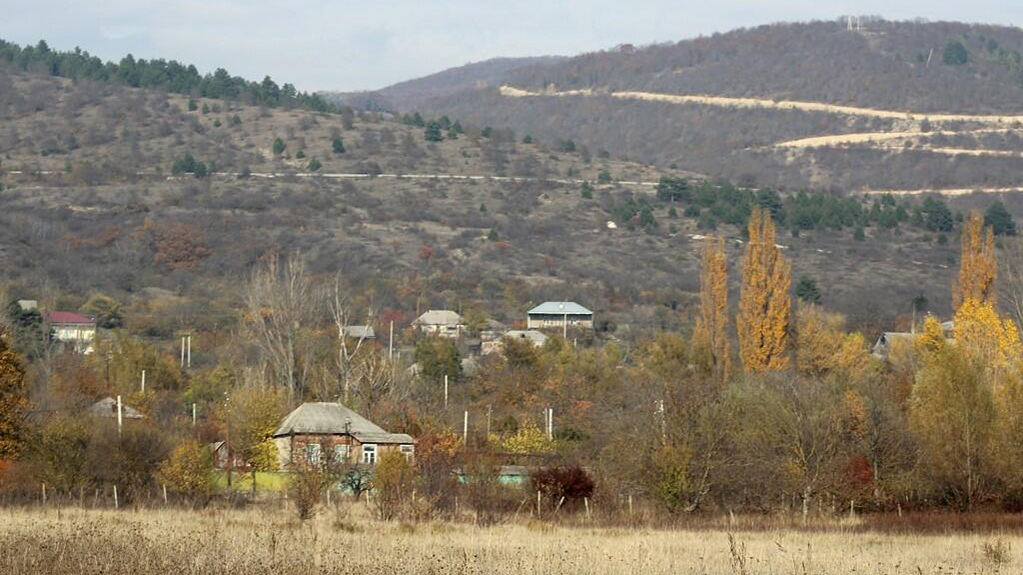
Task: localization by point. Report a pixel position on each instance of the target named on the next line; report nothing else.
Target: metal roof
(360, 331)
(536, 337)
(560, 308)
(68, 317)
(336, 419)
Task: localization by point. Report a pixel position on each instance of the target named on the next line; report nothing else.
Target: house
(559, 314)
(882, 347)
(107, 407)
(360, 332)
(534, 337)
(72, 328)
(442, 322)
(314, 432)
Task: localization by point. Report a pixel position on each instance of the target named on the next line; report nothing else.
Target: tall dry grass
(215, 541)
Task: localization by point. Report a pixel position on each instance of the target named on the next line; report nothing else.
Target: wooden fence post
(116, 505)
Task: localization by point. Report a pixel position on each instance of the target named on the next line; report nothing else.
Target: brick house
(315, 433)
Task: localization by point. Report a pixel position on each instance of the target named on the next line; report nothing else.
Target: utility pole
(143, 381)
(445, 392)
(120, 419)
(490, 412)
(465, 427)
(390, 343)
(193, 414)
(189, 339)
(182, 351)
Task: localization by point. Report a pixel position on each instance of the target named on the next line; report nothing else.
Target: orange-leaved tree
(13, 402)
(764, 303)
(977, 267)
(710, 336)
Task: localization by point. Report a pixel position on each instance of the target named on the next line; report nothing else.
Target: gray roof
(439, 317)
(107, 407)
(360, 331)
(560, 308)
(532, 335)
(336, 419)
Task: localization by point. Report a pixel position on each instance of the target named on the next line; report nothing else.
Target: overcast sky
(349, 45)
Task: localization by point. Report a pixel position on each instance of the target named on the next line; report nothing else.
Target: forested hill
(160, 74)
(711, 104)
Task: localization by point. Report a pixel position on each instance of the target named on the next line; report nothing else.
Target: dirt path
(727, 102)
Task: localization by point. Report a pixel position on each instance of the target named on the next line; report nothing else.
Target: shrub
(564, 485)
(306, 488)
(189, 470)
(392, 483)
(314, 165)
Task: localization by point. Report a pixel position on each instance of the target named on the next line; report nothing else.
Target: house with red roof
(73, 329)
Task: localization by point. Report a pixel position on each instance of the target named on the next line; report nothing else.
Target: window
(369, 453)
(407, 451)
(342, 453)
(312, 453)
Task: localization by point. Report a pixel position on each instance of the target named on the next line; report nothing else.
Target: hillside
(480, 221)
(411, 94)
(731, 104)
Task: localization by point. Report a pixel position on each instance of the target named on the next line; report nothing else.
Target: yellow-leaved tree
(764, 303)
(823, 347)
(983, 335)
(710, 337)
(977, 265)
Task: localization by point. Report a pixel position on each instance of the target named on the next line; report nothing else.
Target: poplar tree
(764, 303)
(977, 266)
(710, 338)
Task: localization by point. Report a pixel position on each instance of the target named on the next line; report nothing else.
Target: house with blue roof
(559, 315)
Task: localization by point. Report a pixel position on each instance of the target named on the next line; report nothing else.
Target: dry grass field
(41, 542)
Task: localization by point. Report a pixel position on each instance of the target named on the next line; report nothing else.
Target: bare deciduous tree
(282, 305)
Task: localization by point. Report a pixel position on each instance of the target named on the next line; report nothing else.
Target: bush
(314, 165)
(563, 486)
(189, 471)
(306, 488)
(392, 484)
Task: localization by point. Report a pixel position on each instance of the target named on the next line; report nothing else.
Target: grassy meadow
(348, 540)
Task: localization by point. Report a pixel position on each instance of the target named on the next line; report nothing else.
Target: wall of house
(291, 451)
(540, 321)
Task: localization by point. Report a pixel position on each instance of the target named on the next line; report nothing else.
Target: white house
(73, 329)
(559, 314)
(442, 322)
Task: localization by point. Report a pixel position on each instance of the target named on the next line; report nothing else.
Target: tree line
(168, 75)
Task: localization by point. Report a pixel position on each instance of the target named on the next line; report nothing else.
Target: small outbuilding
(314, 432)
(537, 338)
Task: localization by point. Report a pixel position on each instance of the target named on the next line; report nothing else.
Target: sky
(368, 44)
